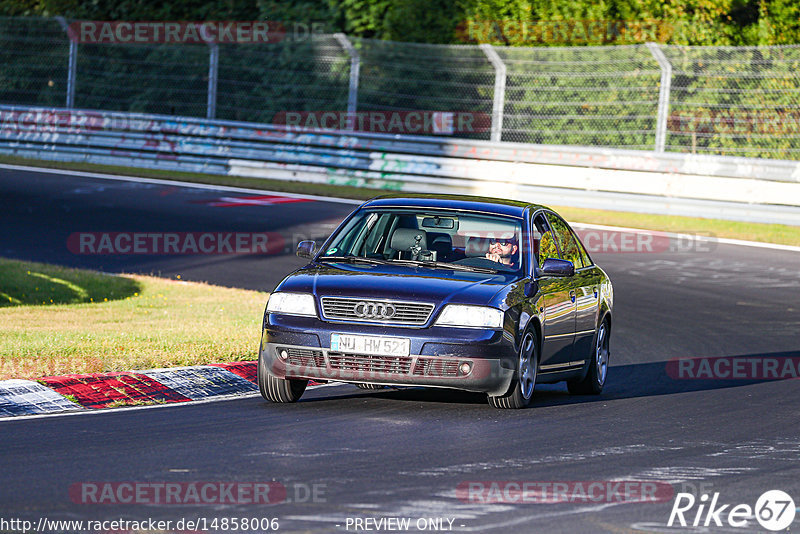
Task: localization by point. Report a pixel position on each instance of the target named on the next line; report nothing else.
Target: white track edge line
(141, 179)
(726, 241)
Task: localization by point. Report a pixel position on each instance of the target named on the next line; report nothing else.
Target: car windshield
(438, 239)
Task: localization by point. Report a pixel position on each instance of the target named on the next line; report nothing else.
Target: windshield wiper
(417, 263)
(446, 265)
(352, 259)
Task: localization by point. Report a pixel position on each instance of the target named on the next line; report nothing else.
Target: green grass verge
(27, 283)
(147, 323)
(767, 233)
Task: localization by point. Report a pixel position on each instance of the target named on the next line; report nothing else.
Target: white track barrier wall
(647, 180)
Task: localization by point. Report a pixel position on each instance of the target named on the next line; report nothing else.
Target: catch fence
(734, 101)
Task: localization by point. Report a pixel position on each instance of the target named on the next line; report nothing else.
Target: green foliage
(560, 89)
(421, 21)
(364, 18)
(782, 21)
(33, 56)
(258, 82)
(685, 22)
(139, 10)
(325, 12)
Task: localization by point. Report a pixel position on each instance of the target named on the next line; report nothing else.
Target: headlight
(292, 304)
(472, 316)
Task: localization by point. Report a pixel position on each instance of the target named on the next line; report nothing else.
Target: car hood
(398, 282)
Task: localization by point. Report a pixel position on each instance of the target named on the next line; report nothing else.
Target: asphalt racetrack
(343, 454)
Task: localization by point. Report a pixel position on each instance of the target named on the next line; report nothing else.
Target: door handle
(572, 295)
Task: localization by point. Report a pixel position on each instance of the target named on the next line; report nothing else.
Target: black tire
(521, 392)
(595, 379)
(278, 389)
(370, 386)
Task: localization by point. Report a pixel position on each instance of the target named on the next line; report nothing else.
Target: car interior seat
(442, 244)
(403, 239)
(476, 246)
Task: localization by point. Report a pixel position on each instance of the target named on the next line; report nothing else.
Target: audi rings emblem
(374, 310)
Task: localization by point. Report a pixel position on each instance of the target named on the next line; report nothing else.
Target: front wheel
(527, 364)
(595, 378)
(278, 389)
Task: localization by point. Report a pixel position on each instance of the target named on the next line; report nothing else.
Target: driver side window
(569, 246)
(544, 241)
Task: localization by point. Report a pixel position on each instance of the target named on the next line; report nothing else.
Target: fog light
(465, 368)
(283, 354)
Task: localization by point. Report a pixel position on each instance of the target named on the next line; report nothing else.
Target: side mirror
(305, 249)
(556, 267)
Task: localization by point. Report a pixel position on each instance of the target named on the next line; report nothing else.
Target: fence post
(663, 95)
(355, 68)
(213, 64)
(72, 68)
(499, 90)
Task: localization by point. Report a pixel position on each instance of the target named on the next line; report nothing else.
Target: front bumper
(437, 358)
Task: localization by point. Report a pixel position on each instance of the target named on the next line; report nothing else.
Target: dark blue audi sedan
(471, 293)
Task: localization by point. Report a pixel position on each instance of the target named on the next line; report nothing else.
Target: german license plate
(383, 346)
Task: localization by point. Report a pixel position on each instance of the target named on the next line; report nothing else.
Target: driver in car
(503, 250)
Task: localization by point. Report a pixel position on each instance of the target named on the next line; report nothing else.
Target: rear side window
(587, 261)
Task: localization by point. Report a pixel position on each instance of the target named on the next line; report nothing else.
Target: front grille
(370, 363)
(434, 367)
(304, 357)
(406, 313)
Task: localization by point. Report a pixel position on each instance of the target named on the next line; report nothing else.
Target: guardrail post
(72, 68)
(355, 68)
(499, 90)
(663, 95)
(213, 64)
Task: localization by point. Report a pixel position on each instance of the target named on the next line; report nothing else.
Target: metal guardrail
(385, 161)
(714, 100)
(86, 126)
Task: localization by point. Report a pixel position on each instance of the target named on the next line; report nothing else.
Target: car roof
(499, 206)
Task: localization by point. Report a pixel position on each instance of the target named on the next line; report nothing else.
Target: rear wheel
(525, 380)
(278, 389)
(595, 378)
